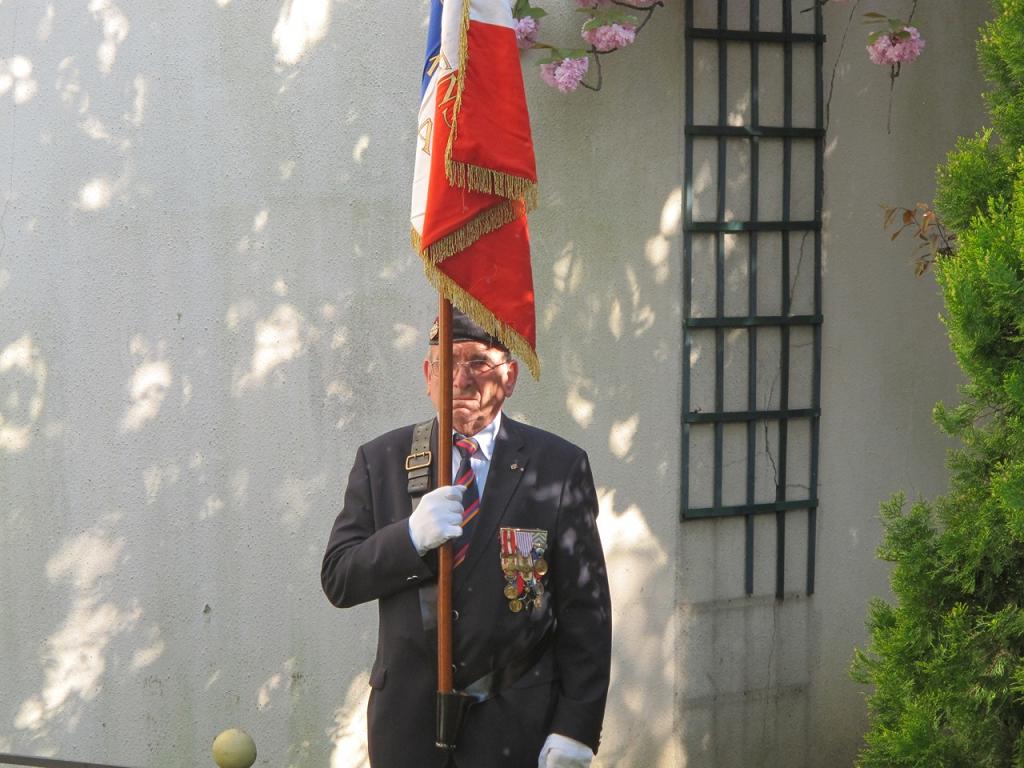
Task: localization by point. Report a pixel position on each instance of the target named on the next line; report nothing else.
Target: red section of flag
(494, 126)
(496, 271)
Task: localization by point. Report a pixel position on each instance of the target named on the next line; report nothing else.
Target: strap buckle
(418, 460)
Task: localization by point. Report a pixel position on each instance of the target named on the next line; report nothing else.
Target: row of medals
(523, 592)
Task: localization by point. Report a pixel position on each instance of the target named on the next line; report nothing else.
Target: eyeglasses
(476, 367)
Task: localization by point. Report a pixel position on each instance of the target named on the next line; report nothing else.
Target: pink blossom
(892, 49)
(610, 36)
(642, 3)
(526, 31)
(565, 75)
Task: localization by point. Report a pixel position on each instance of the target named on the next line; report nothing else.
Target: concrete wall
(207, 301)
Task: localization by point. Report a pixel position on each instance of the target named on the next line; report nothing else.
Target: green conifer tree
(946, 660)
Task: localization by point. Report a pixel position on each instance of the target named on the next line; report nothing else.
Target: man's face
(476, 398)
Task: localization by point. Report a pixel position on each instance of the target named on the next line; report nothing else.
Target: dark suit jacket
(535, 480)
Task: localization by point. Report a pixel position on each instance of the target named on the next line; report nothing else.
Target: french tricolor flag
(475, 175)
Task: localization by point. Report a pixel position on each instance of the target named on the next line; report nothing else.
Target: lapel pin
(516, 467)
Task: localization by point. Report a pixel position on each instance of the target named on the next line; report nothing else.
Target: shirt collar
(485, 438)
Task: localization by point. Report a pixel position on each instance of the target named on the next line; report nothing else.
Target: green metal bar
(738, 510)
(723, 95)
(755, 131)
(742, 35)
(819, 187)
(684, 474)
(787, 172)
(763, 321)
(736, 417)
(754, 226)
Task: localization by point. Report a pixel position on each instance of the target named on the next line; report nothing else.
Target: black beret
(464, 329)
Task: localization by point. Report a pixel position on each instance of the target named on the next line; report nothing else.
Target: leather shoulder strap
(420, 459)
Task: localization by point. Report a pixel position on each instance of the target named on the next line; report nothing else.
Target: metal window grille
(754, 146)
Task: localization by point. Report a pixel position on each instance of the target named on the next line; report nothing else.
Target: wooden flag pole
(451, 705)
(445, 682)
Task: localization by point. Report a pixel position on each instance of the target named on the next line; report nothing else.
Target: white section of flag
(498, 12)
(451, 18)
(491, 12)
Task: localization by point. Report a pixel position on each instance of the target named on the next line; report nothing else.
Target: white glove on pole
(562, 752)
(437, 518)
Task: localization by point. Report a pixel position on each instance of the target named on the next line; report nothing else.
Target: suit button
(455, 615)
(412, 578)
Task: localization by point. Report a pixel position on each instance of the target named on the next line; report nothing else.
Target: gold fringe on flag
(478, 179)
(457, 295)
(459, 240)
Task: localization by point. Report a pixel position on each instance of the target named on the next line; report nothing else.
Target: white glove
(562, 752)
(437, 518)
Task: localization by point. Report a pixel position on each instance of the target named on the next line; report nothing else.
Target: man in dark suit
(531, 623)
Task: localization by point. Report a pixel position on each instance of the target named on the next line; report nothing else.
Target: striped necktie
(466, 447)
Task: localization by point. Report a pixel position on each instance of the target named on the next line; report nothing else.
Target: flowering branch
(608, 28)
(597, 63)
(596, 53)
(896, 43)
(899, 42)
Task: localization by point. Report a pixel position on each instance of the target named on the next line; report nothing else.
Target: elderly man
(531, 623)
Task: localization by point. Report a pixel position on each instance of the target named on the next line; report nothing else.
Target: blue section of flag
(433, 43)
